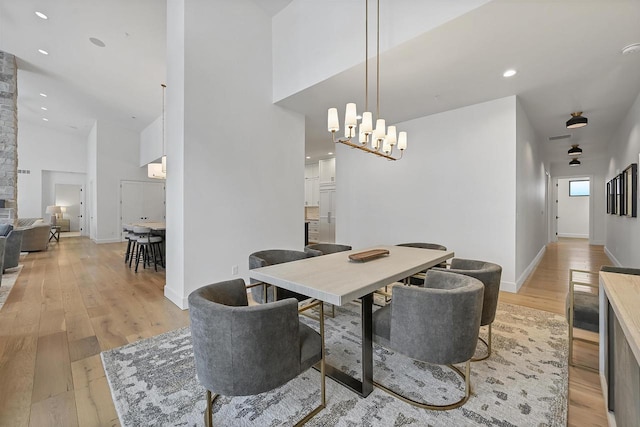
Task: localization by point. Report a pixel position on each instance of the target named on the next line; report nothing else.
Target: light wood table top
(337, 280)
(155, 226)
(623, 292)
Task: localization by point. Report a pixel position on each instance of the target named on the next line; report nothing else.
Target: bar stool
(131, 242)
(148, 247)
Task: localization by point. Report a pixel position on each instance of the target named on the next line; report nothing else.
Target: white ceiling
(567, 54)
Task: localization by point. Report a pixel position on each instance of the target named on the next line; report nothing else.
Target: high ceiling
(567, 54)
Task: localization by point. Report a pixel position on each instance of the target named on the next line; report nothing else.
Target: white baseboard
(596, 242)
(509, 287)
(182, 303)
(612, 258)
(515, 287)
(574, 236)
(111, 240)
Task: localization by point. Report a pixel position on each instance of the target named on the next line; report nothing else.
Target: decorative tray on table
(368, 255)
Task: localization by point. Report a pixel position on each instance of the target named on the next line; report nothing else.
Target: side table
(54, 233)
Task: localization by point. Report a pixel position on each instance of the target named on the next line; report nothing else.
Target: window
(578, 188)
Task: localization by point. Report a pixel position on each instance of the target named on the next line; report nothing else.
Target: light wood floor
(78, 299)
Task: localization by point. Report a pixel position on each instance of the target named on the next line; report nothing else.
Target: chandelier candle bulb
(402, 141)
(380, 129)
(386, 146)
(391, 135)
(350, 115)
(366, 126)
(363, 136)
(332, 121)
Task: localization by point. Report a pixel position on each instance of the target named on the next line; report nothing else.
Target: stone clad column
(8, 137)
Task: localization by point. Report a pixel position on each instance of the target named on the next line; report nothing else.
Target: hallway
(546, 289)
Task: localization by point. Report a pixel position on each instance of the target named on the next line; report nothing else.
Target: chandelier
(382, 139)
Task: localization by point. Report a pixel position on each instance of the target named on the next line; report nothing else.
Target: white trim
(573, 236)
(596, 242)
(111, 240)
(182, 303)
(612, 258)
(515, 287)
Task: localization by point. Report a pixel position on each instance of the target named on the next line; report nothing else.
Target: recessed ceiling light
(45, 119)
(509, 73)
(41, 15)
(43, 94)
(632, 48)
(43, 108)
(330, 153)
(97, 42)
(308, 157)
(42, 51)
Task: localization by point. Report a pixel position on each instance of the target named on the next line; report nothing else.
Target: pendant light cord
(378, 62)
(366, 55)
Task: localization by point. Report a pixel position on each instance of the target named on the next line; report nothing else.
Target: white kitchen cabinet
(311, 185)
(327, 171)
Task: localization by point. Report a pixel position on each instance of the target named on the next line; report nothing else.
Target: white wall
(243, 157)
(314, 40)
(92, 176)
(151, 149)
(456, 186)
(117, 160)
(531, 215)
(596, 169)
(573, 211)
(43, 149)
(623, 234)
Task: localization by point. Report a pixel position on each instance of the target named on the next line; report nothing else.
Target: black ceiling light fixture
(574, 162)
(574, 150)
(577, 121)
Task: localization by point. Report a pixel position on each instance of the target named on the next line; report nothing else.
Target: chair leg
(487, 343)
(126, 255)
(208, 414)
(467, 392)
(323, 399)
(134, 249)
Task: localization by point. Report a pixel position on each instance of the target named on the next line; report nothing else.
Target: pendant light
(574, 162)
(577, 121)
(164, 154)
(383, 139)
(574, 150)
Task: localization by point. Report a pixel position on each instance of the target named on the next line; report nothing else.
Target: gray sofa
(13, 245)
(35, 234)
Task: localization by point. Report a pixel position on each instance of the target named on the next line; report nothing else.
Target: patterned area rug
(523, 383)
(8, 280)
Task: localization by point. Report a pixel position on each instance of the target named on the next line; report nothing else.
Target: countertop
(623, 292)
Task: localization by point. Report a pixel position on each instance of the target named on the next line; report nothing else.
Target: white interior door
(153, 203)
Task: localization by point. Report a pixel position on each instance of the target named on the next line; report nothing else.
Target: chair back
(141, 230)
(242, 350)
(273, 257)
(489, 274)
(440, 322)
(318, 249)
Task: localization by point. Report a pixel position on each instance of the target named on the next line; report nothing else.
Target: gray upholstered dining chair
(12, 249)
(243, 350)
(490, 275)
(418, 278)
(438, 323)
(273, 257)
(318, 249)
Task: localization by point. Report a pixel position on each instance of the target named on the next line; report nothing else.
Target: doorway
(70, 198)
(573, 207)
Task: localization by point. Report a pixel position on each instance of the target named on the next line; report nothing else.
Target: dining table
(338, 280)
